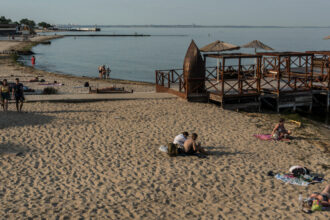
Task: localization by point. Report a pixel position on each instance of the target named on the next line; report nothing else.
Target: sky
(170, 12)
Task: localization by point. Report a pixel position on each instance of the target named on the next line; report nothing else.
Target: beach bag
(298, 171)
(172, 150)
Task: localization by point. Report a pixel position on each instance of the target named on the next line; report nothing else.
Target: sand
(101, 160)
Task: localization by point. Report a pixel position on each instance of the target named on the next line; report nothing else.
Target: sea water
(137, 58)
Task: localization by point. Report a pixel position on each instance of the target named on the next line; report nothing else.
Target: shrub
(49, 91)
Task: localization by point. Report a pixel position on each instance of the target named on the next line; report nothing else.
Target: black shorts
(19, 98)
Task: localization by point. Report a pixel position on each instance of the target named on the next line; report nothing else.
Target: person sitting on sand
(5, 96)
(18, 93)
(190, 146)
(279, 131)
(322, 198)
(180, 139)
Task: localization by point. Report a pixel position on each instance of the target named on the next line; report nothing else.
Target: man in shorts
(18, 93)
(191, 146)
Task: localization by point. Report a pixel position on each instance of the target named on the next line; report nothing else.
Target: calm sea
(136, 58)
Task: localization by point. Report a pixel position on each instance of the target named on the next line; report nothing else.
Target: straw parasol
(257, 45)
(218, 46)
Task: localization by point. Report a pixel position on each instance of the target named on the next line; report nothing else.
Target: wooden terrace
(239, 81)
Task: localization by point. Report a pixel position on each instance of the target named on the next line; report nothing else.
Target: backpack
(172, 150)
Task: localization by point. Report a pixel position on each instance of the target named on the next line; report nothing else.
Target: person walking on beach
(5, 96)
(18, 93)
(33, 60)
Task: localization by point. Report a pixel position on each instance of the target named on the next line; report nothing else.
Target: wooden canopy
(218, 46)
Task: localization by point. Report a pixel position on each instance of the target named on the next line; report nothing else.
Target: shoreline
(11, 64)
(26, 48)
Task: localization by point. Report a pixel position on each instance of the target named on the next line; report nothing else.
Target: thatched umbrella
(257, 45)
(218, 46)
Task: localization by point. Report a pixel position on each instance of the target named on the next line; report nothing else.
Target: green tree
(44, 25)
(28, 22)
(4, 20)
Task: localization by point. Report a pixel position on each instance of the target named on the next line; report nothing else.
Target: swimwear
(325, 197)
(5, 92)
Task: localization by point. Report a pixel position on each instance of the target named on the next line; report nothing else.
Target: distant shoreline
(191, 26)
(25, 47)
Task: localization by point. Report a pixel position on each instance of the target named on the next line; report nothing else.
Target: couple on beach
(188, 145)
(17, 92)
(104, 73)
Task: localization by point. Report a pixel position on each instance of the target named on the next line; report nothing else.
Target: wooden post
(172, 76)
(328, 101)
(312, 72)
(162, 78)
(278, 75)
(240, 81)
(222, 77)
(258, 74)
(168, 80)
(218, 68)
(180, 84)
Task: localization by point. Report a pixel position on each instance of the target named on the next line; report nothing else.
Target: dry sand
(101, 160)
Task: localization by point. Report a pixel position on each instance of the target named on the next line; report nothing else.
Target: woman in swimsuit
(323, 198)
(279, 131)
(5, 95)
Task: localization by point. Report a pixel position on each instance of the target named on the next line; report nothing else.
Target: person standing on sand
(18, 93)
(104, 72)
(191, 146)
(33, 60)
(108, 72)
(5, 96)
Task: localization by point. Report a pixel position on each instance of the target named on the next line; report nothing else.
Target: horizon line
(193, 26)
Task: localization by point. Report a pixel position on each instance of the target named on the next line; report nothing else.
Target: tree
(28, 22)
(44, 25)
(4, 20)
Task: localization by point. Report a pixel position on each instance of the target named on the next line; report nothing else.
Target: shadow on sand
(15, 119)
(10, 148)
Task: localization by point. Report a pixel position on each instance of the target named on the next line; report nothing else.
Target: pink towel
(264, 137)
(268, 137)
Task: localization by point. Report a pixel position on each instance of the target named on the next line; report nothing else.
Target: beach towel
(268, 137)
(51, 84)
(300, 181)
(264, 137)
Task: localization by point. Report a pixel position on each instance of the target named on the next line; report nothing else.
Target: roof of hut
(218, 46)
(257, 45)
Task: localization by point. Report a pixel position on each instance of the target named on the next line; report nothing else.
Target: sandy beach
(101, 160)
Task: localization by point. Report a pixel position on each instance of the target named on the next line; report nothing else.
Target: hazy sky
(203, 12)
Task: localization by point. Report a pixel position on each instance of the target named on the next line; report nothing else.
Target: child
(279, 130)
